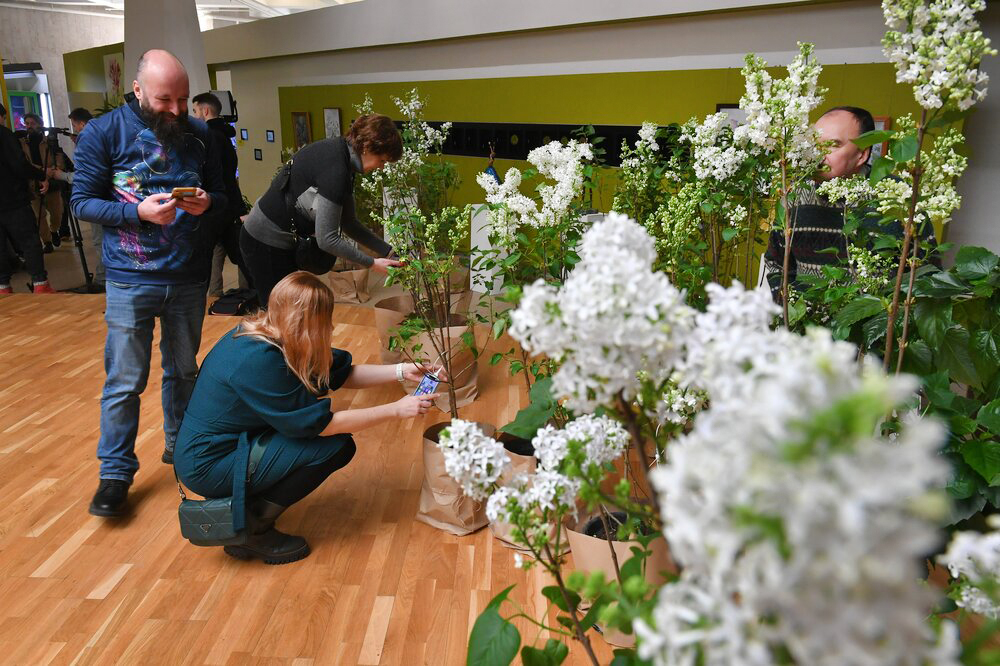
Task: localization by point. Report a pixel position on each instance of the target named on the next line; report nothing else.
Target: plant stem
(581, 635)
(751, 240)
(611, 544)
(788, 242)
(906, 308)
(890, 330)
(633, 427)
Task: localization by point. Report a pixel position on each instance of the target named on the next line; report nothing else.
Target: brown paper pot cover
(464, 364)
(390, 313)
(349, 286)
(442, 503)
(592, 554)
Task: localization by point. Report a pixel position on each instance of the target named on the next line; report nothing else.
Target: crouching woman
(259, 427)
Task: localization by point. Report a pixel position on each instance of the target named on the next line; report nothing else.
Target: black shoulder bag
(308, 255)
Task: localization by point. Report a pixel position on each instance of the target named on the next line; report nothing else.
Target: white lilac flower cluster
(472, 458)
(782, 504)
(937, 46)
(850, 192)
(973, 558)
(778, 110)
(589, 441)
(871, 270)
(676, 224)
(938, 198)
(639, 188)
(562, 164)
(713, 154)
(613, 318)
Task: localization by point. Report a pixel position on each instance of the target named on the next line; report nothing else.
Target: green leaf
(499, 326)
(882, 167)
(986, 354)
(496, 358)
(918, 358)
(933, 317)
(555, 595)
(963, 483)
(989, 417)
(553, 654)
(904, 149)
(940, 284)
(975, 263)
(627, 657)
(591, 617)
(541, 409)
(858, 309)
(873, 330)
(947, 118)
(953, 354)
(872, 137)
(494, 641)
(984, 457)
(729, 234)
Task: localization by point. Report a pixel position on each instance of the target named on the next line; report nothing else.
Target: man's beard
(170, 130)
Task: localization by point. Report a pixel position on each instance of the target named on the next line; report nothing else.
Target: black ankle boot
(263, 541)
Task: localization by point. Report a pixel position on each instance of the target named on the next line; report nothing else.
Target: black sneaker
(111, 499)
(167, 457)
(56, 241)
(47, 248)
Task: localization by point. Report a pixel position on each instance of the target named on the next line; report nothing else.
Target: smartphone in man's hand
(182, 192)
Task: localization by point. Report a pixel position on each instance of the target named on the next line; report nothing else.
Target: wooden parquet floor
(379, 588)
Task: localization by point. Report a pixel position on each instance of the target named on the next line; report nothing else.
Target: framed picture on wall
(269, 135)
(331, 122)
(258, 154)
(301, 128)
(880, 149)
(737, 116)
(244, 134)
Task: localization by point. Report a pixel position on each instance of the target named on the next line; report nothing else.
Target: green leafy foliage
(494, 641)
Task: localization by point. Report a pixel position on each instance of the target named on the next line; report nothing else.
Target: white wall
(378, 22)
(978, 220)
(43, 37)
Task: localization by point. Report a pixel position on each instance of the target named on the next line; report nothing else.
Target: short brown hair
(376, 134)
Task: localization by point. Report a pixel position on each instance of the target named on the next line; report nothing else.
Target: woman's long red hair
(299, 322)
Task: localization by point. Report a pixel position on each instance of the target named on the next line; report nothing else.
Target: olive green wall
(85, 69)
(627, 98)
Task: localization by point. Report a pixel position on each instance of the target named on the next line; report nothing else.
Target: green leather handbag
(209, 522)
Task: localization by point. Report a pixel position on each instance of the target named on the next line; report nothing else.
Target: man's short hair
(209, 100)
(80, 115)
(36, 117)
(864, 117)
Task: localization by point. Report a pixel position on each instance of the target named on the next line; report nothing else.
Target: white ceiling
(212, 13)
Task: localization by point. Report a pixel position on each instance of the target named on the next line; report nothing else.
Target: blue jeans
(130, 312)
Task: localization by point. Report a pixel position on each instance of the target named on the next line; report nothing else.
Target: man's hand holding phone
(192, 200)
(158, 208)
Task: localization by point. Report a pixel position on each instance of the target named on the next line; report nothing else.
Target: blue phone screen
(427, 386)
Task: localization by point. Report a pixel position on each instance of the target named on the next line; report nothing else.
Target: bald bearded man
(156, 254)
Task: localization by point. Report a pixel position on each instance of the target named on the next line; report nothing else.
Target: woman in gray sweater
(313, 195)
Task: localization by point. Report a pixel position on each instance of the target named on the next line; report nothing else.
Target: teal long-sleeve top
(245, 389)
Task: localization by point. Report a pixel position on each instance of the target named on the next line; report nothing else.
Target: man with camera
(44, 153)
(17, 221)
(152, 178)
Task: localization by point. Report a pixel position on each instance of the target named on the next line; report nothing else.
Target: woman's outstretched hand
(414, 405)
(383, 265)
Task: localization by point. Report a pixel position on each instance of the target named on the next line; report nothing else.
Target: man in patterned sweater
(818, 224)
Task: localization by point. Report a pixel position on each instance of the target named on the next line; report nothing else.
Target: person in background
(315, 192)
(155, 255)
(262, 395)
(37, 149)
(207, 107)
(78, 119)
(819, 224)
(17, 220)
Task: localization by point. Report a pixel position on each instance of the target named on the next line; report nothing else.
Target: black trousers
(265, 265)
(18, 228)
